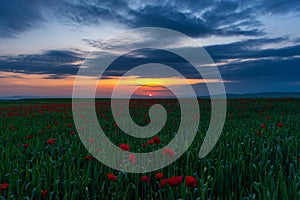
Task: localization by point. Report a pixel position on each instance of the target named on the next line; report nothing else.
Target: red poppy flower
(132, 159)
(111, 177)
(88, 157)
(25, 145)
(280, 124)
(168, 152)
(267, 117)
(48, 127)
(263, 126)
(28, 137)
(144, 145)
(44, 193)
(299, 158)
(51, 141)
(4, 186)
(145, 179)
(91, 140)
(258, 133)
(174, 181)
(125, 147)
(97, 149)
(156, 139)
(70, 125)
(150, 142)
(159, 175)
(190, 181)
(162, 183)
(72, 132)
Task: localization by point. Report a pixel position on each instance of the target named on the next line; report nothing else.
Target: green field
(256, 157)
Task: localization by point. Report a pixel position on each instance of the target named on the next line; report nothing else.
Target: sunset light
(147, 99)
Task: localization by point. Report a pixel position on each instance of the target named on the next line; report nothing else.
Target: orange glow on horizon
(36, 84)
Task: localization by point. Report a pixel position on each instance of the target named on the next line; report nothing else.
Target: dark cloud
(202, 18)
(56, 63)
(215, 21)
(18, 16)
(252, 69)
(146, 56)
(250, 49)
(12, 76)
(268, 70)
(194, 18)
(259, 76)
(56, 76)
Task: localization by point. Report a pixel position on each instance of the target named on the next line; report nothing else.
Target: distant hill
(265, 95)
(28, 97)
(250, 95)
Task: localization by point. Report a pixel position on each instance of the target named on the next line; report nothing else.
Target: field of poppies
(256, 157)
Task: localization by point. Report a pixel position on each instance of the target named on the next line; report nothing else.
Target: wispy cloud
(196, 18)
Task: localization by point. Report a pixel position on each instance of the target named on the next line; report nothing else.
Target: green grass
(243, 164)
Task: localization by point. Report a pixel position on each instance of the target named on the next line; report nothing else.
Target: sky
(254, 44)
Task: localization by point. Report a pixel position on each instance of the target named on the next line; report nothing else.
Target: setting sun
(150, 95)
